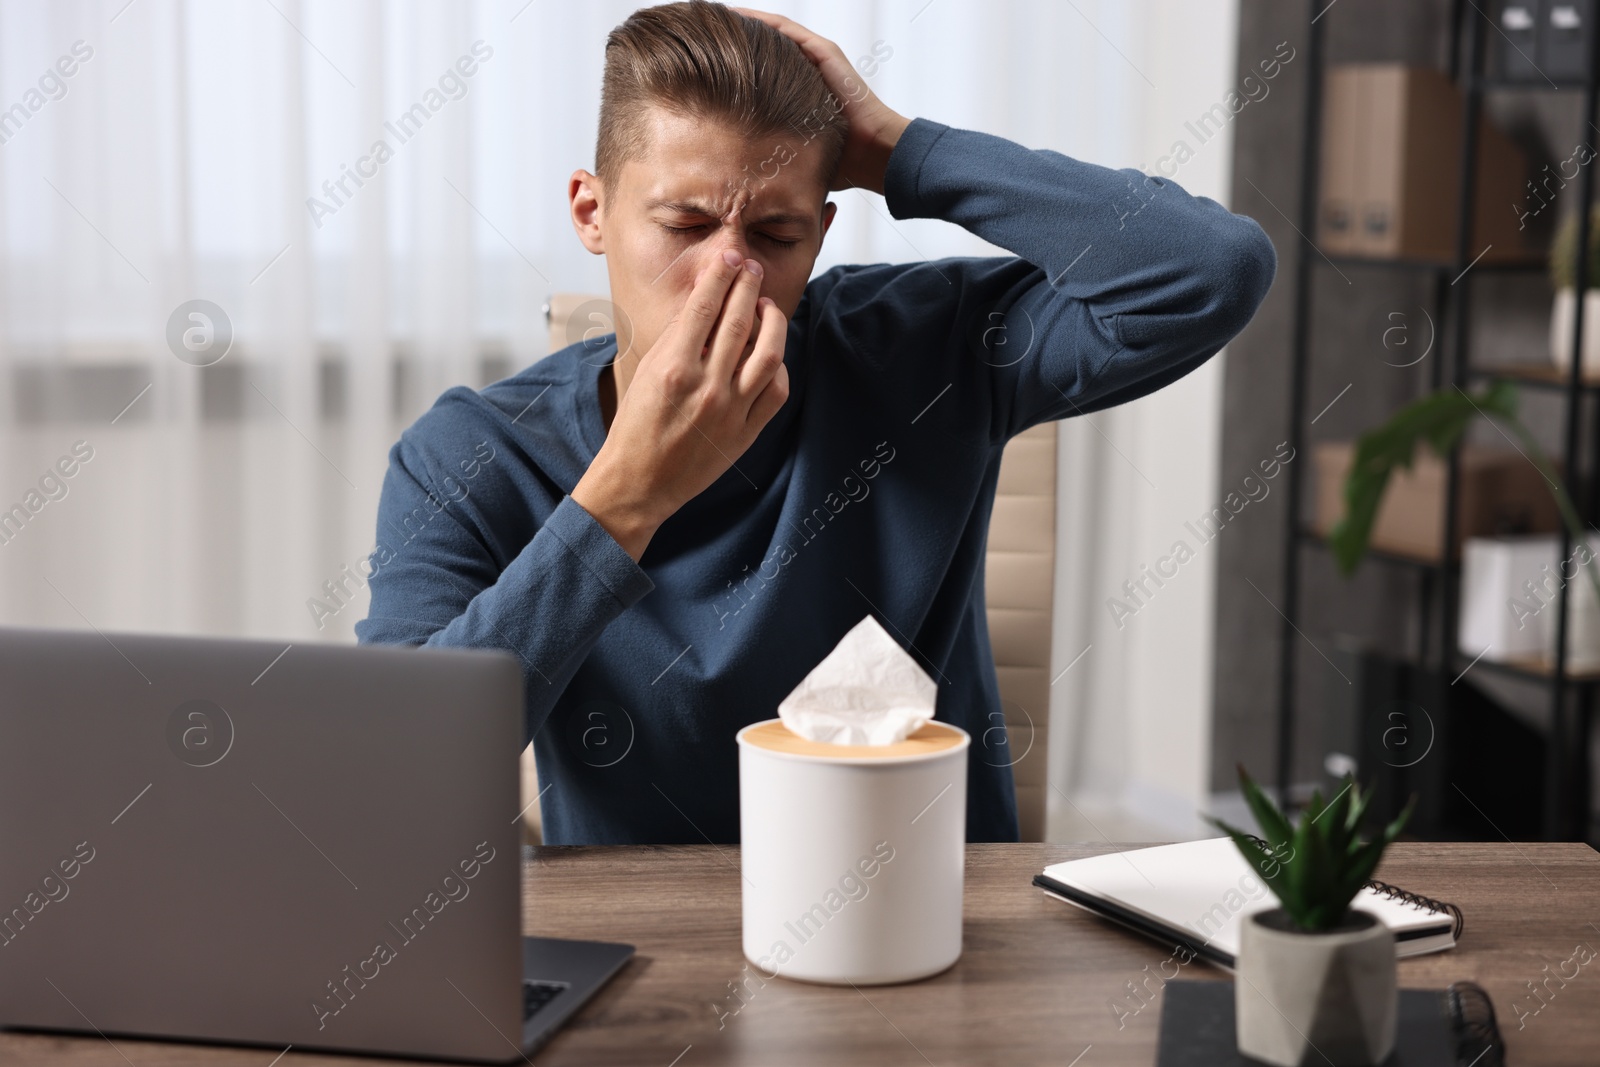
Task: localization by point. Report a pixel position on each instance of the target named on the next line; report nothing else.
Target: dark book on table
(1436, 1028)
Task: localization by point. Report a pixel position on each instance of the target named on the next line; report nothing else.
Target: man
(672, 527)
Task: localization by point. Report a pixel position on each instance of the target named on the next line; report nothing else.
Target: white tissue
(867, 691)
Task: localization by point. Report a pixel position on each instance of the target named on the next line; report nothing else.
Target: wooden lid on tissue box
(931, 738)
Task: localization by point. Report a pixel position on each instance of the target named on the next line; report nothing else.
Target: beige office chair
(1019, 581)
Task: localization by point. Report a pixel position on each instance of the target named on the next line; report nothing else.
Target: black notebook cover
(1197, 1029)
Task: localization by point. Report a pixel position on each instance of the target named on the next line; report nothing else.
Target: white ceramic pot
(1324, 998)
(852, 859)
(1561, 330)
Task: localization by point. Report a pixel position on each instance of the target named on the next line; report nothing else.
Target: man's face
(701, 188)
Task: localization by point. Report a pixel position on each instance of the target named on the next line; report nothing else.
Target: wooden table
(1038, 981)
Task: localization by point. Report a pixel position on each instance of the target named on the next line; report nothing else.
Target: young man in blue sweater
(670, 527)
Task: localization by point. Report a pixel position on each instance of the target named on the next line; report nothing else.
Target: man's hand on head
(874, 127)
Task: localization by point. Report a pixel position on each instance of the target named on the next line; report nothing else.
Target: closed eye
(695, 229)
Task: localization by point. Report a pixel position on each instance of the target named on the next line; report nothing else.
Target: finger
(813, 45)
(700, 311)
(737, 323)
(770, 400)
(766, 360)
(771, 18)
(837, 70)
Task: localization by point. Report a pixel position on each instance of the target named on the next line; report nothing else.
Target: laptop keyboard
(536, 995)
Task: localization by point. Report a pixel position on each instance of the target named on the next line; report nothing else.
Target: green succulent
(1563, 263)
(1317, 868)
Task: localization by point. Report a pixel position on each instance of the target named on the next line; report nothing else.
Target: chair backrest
(1019, 585)
(1019, 591)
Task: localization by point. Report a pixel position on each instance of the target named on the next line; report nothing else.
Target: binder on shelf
(1564, 34)
(1517, 44)
(1391, 136)
(1542, 41)
(1341, 148)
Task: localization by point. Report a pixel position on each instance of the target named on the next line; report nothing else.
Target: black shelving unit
(1566, 782)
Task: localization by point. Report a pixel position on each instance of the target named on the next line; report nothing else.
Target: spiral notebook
(1198, 894)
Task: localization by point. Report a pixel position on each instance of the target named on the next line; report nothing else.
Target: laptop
(275, 844)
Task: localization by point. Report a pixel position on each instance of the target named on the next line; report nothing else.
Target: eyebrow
(692, 207)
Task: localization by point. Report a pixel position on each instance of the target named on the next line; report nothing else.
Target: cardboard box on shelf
(1389, 185)
(1499, 493)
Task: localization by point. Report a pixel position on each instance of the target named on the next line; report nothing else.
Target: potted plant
(1563, 275)
(1315, 978)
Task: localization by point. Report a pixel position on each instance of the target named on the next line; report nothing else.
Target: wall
(1131, 719)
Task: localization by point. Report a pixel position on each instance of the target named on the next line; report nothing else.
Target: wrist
(889, 135)
(883, 142)
(629, 521)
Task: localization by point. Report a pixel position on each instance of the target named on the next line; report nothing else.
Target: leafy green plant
(1440, 419)
(1314, 869)
(1563, 258)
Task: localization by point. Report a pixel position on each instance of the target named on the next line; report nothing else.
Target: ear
(584, 195)
(827, 216)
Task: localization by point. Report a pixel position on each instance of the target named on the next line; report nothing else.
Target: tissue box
(1500, 614)
(1499, 493)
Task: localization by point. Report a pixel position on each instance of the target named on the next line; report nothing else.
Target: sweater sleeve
(440, 577)
(1122, 282)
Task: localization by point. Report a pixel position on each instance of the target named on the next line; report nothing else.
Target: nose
(718, 249)
(734, 243)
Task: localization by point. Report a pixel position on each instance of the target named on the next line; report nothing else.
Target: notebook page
(1205, 889)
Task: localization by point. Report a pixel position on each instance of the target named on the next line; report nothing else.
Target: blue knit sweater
(869, 492)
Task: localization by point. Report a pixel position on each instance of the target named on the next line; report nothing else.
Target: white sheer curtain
(175, 164)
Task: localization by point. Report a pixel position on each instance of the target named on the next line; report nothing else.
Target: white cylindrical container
(852, 856)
